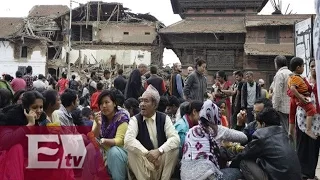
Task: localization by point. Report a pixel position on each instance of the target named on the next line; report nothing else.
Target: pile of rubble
(83, 70)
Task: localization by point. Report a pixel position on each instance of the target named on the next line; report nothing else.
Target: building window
(52, 53)
(273, 35)
(221, 38)
(147, 33)
(24, 52)
(126, 33)
(81, 33)
(221, 10)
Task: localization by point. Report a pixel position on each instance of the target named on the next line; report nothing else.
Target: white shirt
(280, 99)
(251, 94)
(131, 143)
(39, 84)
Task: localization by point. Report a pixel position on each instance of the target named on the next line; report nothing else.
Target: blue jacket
(182, 127)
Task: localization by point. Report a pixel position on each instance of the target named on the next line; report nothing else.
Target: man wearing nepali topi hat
(151, 140)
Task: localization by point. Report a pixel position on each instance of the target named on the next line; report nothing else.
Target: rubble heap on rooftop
(101, 32)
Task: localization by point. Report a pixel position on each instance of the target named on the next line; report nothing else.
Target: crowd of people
(149, 127)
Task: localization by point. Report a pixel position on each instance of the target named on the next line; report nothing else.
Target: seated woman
(182, 109)
(189, 120)
(132, 106)
(109, 127)
(201, 151)
(20, 120)
(52, 103)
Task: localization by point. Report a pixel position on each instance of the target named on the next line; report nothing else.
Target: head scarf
(211, 112)
(153, 92)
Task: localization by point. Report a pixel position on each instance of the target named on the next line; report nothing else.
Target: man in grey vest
(151, 140)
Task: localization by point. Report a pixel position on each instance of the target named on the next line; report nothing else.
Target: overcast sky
(161, 9)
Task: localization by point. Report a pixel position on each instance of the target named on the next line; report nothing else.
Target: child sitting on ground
(299, 91)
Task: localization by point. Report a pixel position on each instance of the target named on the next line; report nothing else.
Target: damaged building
(103, 36)
(108, 34)
(18, 49)
(230, 35)
(28, 41)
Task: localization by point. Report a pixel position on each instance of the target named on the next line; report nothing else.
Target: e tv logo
(74, 151)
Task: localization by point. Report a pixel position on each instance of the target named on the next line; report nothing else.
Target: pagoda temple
(230, 35)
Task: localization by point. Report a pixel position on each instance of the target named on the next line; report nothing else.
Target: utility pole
(69, 41)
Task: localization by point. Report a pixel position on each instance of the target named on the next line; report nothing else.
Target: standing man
(134, 88)
(280, 99)
(73, 84)
(106, 81)
(196, 84)
(250, 92)
(264, 92)
(156, 81)
(18, 83)
(236, 96)
(93, 83)
(39, 84)
(176, 82)
(190, 70)
(151, 140)
(120, 82)
(28, 78)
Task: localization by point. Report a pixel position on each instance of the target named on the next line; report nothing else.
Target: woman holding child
(307, 148)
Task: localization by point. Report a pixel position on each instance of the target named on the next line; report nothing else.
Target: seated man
(151, 140)
(248, 130)
(269, 155)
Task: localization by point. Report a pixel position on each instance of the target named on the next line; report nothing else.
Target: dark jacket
(120, 83)
(244, 94)
(195, 87)
(157, 82)
(134, 88)
(174, 86)
(271, 150)
(248, 130)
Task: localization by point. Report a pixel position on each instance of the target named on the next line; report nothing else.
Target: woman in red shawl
(222, 91)
(17, 121)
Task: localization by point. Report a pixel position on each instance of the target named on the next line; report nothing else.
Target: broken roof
(48, 10)
(285, 49)
(107, 11)
(275, 20)
(207, 25)
(10, 26)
